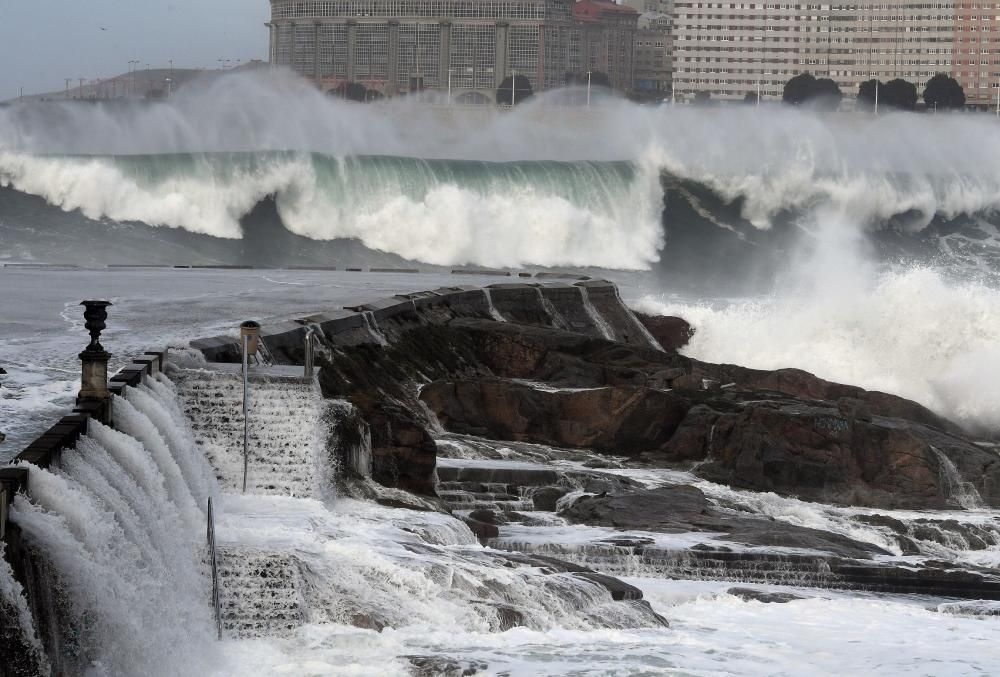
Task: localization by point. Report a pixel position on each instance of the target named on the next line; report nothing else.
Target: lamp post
(588, 89)
(513, 91)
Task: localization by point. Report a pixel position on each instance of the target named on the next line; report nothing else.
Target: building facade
(652, 71)
(466, 47)
(731, 48)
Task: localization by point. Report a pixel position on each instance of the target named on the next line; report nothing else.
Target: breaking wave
(437, 211)
(614, 186)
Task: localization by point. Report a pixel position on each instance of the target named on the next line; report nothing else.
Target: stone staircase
(504, 488)
(285, 433)
(259, 592)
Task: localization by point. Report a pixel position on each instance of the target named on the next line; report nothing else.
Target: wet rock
(404, 454)
(751, 595)
(368, 622)
(482, 530)
(811, 450)
(681, 509)
(487, 516)
(619, 590)
(444, 666)
(545, 498)
(621, 420)
(979, 608)
(508, 617)
(672, 333)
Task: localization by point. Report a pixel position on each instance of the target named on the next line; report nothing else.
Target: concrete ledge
(480, 271)
(393, 270)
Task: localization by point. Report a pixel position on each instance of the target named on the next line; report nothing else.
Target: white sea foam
(911, 332)
(775, 160)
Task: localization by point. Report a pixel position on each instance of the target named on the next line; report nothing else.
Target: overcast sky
(42, 42)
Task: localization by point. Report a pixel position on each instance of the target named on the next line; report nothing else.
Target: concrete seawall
(31, 569)
(592, 307)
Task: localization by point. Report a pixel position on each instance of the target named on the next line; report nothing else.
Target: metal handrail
(215, 569)
(246, 415)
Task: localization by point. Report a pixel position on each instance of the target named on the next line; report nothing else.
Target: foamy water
(910, 332)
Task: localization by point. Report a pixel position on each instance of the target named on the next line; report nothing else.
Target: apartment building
(466, 47)
(731, 48)
(652, 69)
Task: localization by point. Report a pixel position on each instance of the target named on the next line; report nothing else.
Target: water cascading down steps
(259, 590)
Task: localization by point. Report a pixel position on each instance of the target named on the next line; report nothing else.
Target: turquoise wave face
(437, 211)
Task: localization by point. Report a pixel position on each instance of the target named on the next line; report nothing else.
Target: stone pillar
(316, 73)
(352, 42)
(501, 68)
(94, 359)
(272, 42)
(392, 59)
(444, 54)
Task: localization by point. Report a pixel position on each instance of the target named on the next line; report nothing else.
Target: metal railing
(309, 355)
(246, 414)
(215, 569)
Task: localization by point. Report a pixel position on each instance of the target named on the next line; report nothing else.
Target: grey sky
(44, 41)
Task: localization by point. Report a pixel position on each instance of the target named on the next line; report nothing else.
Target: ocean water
(879, 257)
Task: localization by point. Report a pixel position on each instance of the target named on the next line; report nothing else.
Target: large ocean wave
(614, 186)
(440, 212)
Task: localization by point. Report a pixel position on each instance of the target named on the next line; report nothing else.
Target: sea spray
(960, 492)
(126, 555)
(134, 423)
(12, 600)
(159, 405)
(911, 332)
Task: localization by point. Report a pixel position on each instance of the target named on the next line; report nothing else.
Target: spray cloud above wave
(581, 207)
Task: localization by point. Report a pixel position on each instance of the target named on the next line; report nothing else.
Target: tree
(521, 90)
(944, 92)
(804, 88)
(703, 98)
(750, 97)
(899, 93)
(351, 91)
(826, 94)
(868, 92)
(799, 89)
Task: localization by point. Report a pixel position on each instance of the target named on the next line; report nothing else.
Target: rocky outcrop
(752, 595)
(681, 509)
(531, 363)
(672, 333)
(784, 431)
(621, 420)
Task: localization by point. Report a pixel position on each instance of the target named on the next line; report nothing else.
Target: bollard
(94, 359)
(250, 335)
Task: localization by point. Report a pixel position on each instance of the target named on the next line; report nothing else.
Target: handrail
(215, 569)
(246, 414)
(310, 333)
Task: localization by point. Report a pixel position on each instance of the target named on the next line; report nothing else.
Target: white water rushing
(514, 209)
(911, 332)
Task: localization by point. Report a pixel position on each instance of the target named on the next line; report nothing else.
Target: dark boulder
(545, 498)
(682, 509)
(404, 454)
(751, 595)
(672, 333)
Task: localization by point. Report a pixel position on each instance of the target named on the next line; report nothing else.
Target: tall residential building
(731, 48)
(465, 46)
(652, 72)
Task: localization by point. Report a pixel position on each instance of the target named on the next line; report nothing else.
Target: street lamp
(588, 89)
